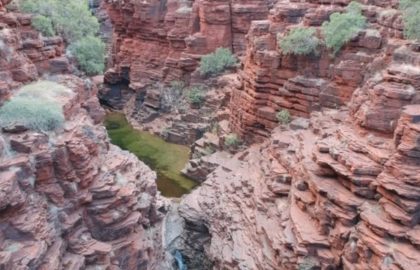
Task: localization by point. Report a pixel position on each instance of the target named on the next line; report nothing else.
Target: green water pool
(167, 159)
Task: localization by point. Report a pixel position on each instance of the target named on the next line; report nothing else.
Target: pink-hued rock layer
(163, 40)
(327, 196)
(272, 81)
(338, 190)
(71, 200)
(25, 54)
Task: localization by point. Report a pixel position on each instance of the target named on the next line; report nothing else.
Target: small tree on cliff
(72, 20)
(89, 53)
(43, 25)
(299, 41)
(217, 62)
(342, 27)
(411, 18)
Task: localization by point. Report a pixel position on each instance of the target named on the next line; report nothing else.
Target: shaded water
(167, 159)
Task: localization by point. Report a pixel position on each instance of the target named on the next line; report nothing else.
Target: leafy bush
(411, 18)
(35, 114)
(89, 53)
(300, 41)
(342, 27)
(72, 20)
(43, 25)
(196, 96)
(232, 140)
(216, 62)
(283, 117)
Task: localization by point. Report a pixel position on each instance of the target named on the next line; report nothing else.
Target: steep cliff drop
(68, 198)
(338, 190)
(336, 186)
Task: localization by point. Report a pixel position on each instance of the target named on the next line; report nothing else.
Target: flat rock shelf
(167, 159)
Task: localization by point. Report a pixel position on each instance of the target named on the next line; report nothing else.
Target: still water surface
(167, 159)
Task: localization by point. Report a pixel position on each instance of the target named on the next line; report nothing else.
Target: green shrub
(283, 117)
(89, 53)
(342, 27)
(232, 140)
(411, 18)
(217, 62)
(35, 114)
(43, 25)
(196, 96)
(300, 41)
(72, 20)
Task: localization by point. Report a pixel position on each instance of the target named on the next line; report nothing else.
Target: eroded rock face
(163, 40)
(329, 196)
(336, 191)
(301, 84)
(25, 54)
(71, 200)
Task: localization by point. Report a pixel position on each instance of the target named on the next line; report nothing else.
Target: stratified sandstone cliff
(301, 84)
(162, 40)
(339, 190)
(327, 195)
(69, 199)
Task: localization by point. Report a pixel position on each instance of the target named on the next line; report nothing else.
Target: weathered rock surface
(162, 41)
(25, 54)
(272, 81)
(71, 200)
(330, 196)
(338, 191)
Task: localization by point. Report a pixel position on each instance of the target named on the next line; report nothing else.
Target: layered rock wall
(163, 40)
(69, 199)
(301, 84)
(338, 190)
(327, 196)
(25, 54)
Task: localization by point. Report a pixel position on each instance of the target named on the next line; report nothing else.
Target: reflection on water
(167, 159)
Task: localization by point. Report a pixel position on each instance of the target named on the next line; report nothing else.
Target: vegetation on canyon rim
(339, 30)
(75, 23)
(300, 41)
(43, 25)
(411, 18)
(342, 27)
(217, 62)
(35, 107)
(196, 95)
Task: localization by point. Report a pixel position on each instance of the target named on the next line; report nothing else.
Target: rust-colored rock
(25, 54)
(71, 200)
(162, 41)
